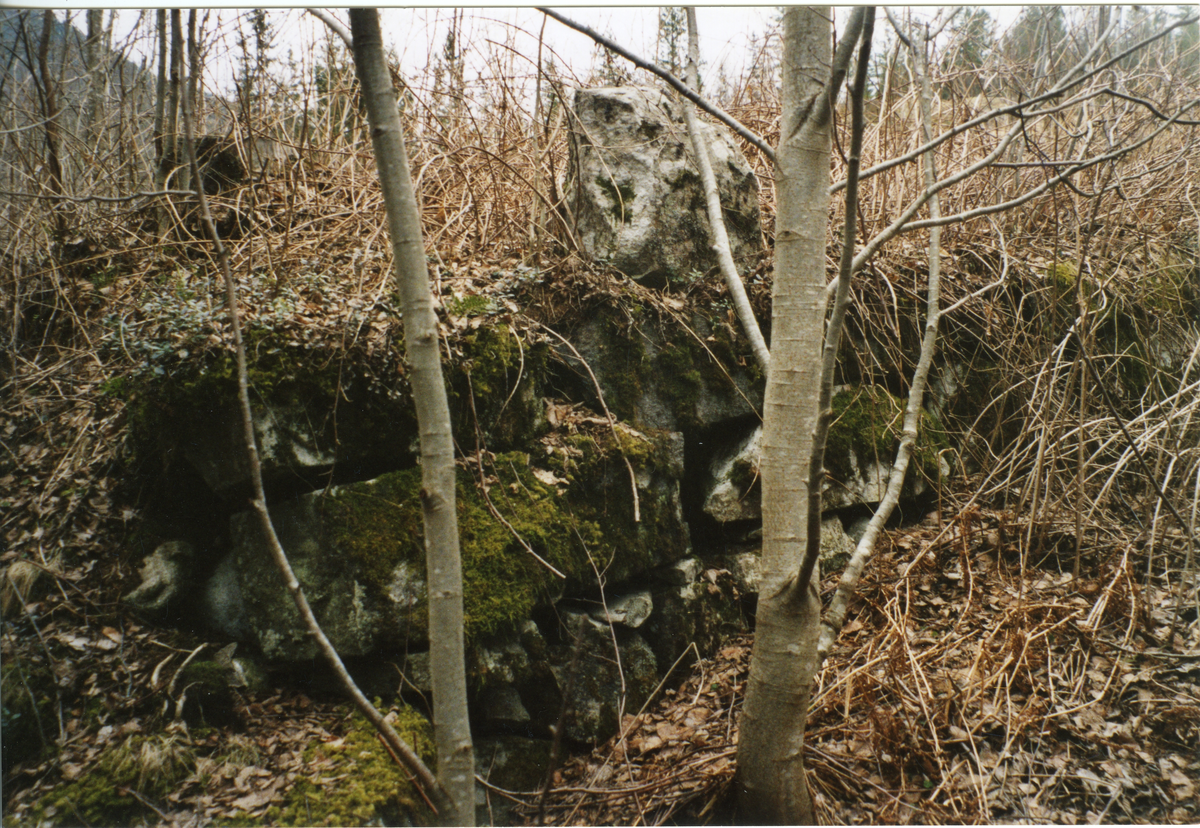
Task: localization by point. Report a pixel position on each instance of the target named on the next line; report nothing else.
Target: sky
(417, 33)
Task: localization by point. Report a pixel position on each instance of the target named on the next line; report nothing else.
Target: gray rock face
(635, 190)
(655, 375)
(732, 493)
(836, 549)
(597, 694)
(353, 619)
(629, 610)
(224, 607)
(290, 444)
(703, 613)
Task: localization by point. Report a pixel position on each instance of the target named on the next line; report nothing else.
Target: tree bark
(456, 766)
(175, 71)
(773, 788)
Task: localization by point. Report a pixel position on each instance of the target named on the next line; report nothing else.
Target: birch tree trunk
(773, 788)
(456, 764)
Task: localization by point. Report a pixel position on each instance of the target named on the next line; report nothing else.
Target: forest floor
(961, 690)
(977, 679)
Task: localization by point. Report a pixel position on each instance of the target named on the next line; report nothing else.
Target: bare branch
(332, 22)
(1017, 108)
(833, 328)
(716, 219)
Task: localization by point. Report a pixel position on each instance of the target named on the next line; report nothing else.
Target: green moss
(471, 305)
(371, 788)
(209, 697)
(1171, 286)
(621, 196)
(869, 421)
(680, 366)
(683, 380)
(152, 766)
(495, 385)
(347, 404)
(116, 387)
(1062, 276)
(377, 528)
(743, 475)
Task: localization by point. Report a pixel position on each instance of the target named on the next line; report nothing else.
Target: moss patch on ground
(365, 785)
(151, 766)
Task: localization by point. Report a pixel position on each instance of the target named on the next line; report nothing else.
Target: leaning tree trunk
(784, 660)
(456, 764)
(712, 199)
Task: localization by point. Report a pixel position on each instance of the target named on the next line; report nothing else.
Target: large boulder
(635, 190)
(358, 550)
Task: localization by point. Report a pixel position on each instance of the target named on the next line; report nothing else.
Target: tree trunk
(50, 110)
(96, 78)
(160, 102)
(175, 71)
(771, 742)
(456, 765)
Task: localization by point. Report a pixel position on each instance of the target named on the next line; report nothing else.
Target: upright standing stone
(635, 191)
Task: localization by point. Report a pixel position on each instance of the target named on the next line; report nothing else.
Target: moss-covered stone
(656, 373)
(867, 423)
(496, 387)
(378, 528)
(311, 410)
(359, 552)
(209, 697)
(371, 788)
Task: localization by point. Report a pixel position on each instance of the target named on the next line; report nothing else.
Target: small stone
(682, 572)
(163, 574)
(630, 610)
